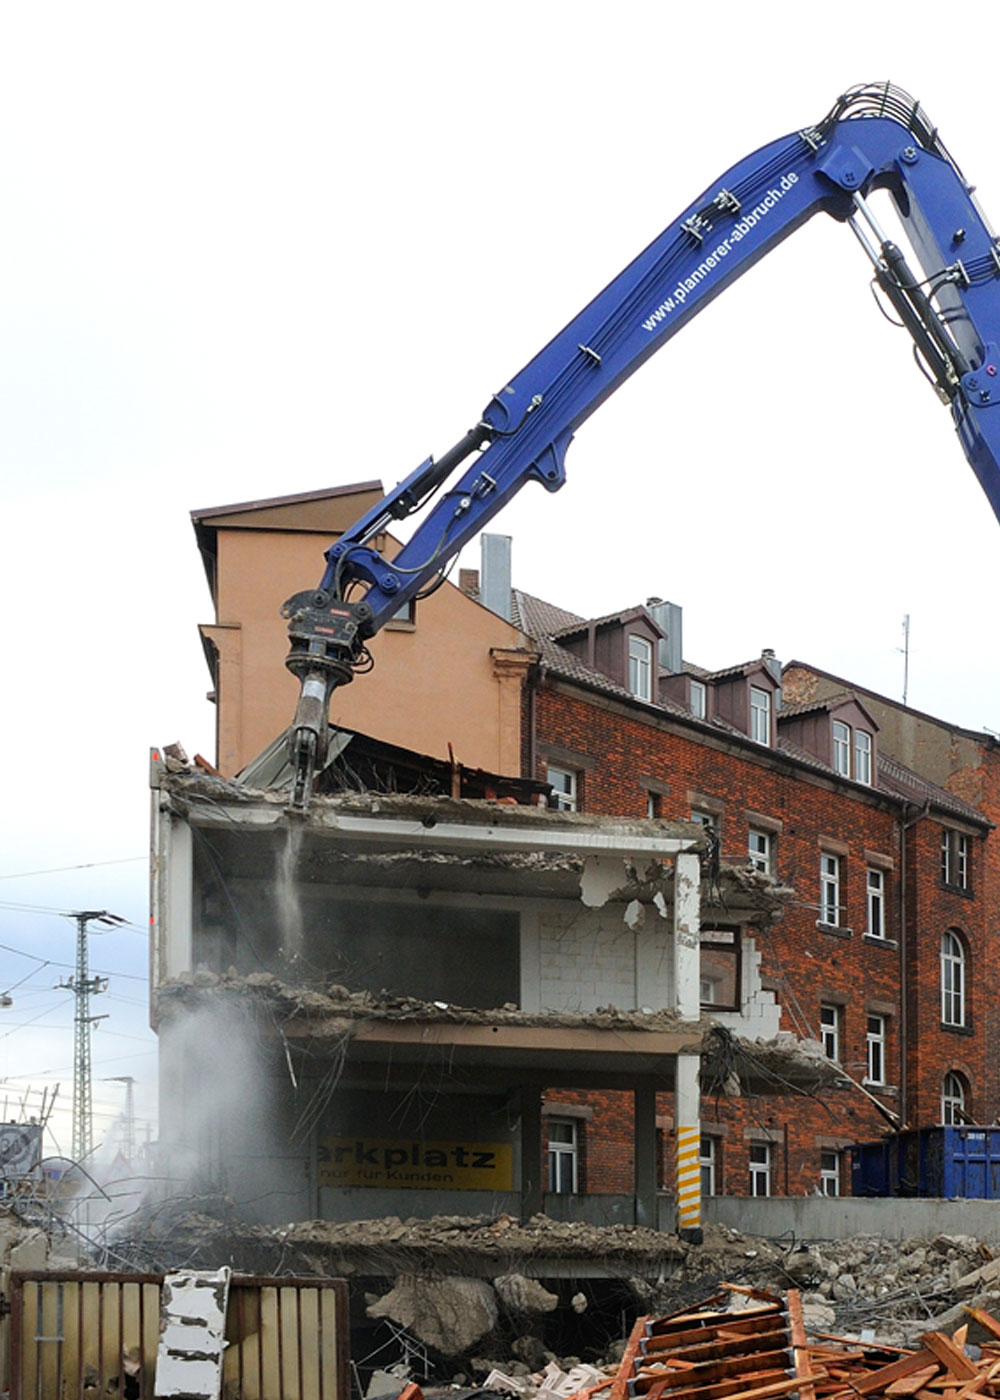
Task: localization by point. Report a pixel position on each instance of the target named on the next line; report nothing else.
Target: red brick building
(881, 819)
(887, 954)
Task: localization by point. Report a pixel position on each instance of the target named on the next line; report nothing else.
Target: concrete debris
(559, 1385)
(524, 1295)
(390, 1382)
(31, 1252)
(332, 1012)
(499, 1380)
(894, 1291)
(532, 1351)
(448, 1314)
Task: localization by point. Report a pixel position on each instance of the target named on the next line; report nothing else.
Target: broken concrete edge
(619, 859)
(337, 1013)
(428, 811)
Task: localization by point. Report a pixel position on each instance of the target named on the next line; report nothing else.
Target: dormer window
(862, 757)
(699, 699)
(841, 748)
(640, 667)
(760, 715)
(861, 770)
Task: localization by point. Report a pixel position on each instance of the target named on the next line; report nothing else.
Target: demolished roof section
(525, 850)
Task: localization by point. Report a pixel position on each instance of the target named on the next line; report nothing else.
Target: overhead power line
(64, 869)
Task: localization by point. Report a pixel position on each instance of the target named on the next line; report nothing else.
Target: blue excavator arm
(875, 137)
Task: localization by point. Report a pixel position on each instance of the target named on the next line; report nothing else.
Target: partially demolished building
(880, 819)
(378, 1007)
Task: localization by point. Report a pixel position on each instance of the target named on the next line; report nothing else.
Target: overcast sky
(247, 250)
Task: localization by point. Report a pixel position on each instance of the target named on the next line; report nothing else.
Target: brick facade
(890, 984)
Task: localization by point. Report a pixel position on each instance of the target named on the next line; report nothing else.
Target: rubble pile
(866, 1285)
(893, 1289)
(746, 1343)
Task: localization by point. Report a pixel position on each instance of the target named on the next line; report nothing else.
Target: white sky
(248, 250)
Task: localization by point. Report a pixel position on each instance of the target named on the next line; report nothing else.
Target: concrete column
(531, 1152)
(177, 932)
(687, 926)
(644, 1127)
(687, 1106)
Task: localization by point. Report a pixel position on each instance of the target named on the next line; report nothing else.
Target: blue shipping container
(946, 1162)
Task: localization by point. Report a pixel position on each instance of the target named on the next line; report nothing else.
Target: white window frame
(841, 748)
(760, 850)
(863, 757)
(954, 858)
(564, 788)
(406, 614)
(708, 1163)
(640, 667)
(829, 889)
(563, 1156)
(699, 699)
(829, 1030)
(875, 1042)
(761, 1165)
(875, 888)
(829, 1171)
(952, 979)
(952, 1100)
(760, 715)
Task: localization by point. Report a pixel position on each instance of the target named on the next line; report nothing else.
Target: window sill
(834, 929)
(878, 942)
(957, 1030)
(890, 1090)
(963, 890)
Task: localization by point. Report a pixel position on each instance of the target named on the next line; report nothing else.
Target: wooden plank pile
(760, 1352)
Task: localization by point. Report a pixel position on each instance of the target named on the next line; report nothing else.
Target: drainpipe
(904, 1086)
(535, 679)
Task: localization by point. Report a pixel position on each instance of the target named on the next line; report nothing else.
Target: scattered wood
(748, 1344)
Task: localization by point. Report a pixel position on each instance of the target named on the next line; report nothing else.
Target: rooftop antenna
(905, 649)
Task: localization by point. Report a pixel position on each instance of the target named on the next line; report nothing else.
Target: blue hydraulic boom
(875, 137)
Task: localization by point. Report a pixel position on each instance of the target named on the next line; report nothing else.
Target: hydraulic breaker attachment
(327, 646)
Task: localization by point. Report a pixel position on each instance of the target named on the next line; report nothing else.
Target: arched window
(952, 979)
(953, 1099)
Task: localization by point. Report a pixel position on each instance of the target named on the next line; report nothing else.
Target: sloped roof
(755, 663)
(900, 781)
(535, 617)
(328, 493)
(609, 619)
(981, 736)
(827, 704)
(544, 621)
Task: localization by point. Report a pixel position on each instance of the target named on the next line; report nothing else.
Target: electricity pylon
(83, 987)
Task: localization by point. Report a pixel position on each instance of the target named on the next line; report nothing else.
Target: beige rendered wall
(435, 684)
